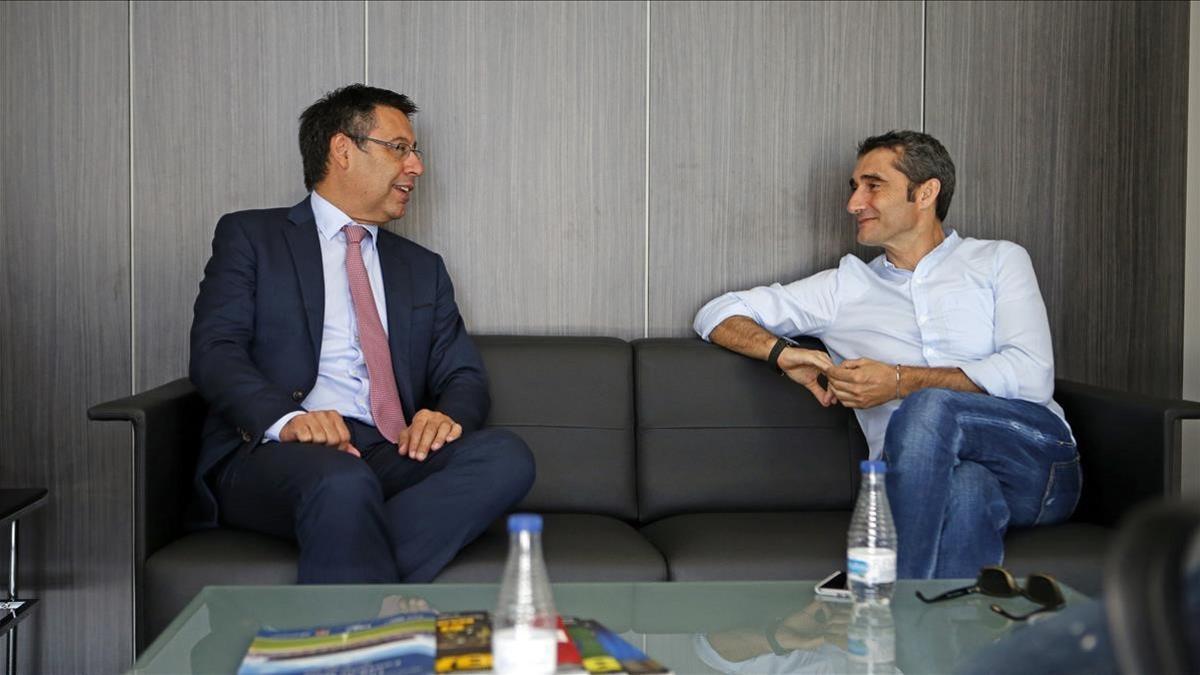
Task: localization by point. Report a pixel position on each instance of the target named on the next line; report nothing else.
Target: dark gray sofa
(660, 459)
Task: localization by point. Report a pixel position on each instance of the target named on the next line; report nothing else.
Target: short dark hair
(921, 157)
(349, 110)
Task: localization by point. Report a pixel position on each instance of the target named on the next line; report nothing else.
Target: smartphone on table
(833, 587)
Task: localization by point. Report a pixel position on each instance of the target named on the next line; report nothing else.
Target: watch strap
(772, 641)
(773, 359)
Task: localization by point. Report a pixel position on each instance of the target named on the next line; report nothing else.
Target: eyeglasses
(999, 582)
(401, 149)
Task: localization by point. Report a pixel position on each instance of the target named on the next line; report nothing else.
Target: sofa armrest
(1129, 446)
(167, 422)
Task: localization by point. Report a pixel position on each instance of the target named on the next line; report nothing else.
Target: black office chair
(1146, 589)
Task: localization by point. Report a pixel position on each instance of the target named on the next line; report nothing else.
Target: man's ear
(340, 148)
(927, 193)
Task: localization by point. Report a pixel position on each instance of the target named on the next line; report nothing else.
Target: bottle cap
(873, 466)
(524, 522)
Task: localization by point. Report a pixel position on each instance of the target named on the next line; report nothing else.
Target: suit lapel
(302, 239)
(397, 293)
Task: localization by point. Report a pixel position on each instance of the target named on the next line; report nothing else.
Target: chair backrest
(719, 432)
(571, 399)
(1128, 450)
(1151, 598)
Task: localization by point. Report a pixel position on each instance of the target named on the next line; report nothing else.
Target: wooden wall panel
(756, 109)
(217, 91)
(533, 118)
(1068, 125)
(64, 324)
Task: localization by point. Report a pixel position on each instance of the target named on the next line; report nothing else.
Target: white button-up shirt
(971, 304)
(342, 381)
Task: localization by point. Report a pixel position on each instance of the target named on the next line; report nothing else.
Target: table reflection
(823, 637)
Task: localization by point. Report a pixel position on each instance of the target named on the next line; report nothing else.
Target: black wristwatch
(780, 345)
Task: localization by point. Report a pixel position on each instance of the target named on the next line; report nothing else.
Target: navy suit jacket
(258, 324)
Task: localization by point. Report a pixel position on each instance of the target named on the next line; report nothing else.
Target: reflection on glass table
(691, 627)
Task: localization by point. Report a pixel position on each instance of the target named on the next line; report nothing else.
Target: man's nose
(416, 165)
(855, 203)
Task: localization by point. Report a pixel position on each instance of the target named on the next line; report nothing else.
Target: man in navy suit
(345, 396)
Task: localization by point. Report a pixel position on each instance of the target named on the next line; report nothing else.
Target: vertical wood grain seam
(924, 59)
(1190, 478)
(133, 590)
(646, 199)
(132, 261)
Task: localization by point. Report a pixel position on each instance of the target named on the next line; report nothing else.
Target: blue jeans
(963, 468)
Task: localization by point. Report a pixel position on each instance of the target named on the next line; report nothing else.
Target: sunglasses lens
(997, 582)
(1043, 590)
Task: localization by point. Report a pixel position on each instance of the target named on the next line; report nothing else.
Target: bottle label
(871, 565)
(525, 651)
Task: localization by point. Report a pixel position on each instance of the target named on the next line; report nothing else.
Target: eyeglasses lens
(997, 583)
(1043, 590)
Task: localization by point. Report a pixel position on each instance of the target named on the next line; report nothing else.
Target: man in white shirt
(941, 346)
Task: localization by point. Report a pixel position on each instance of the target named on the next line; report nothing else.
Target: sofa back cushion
(720, 432)
(571, 399)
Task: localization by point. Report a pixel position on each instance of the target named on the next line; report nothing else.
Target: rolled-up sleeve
(804, 307)
(1022, 366)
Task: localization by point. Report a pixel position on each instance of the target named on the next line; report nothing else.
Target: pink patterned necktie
(385, 400)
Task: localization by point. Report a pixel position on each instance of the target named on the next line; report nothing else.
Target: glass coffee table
(690, 627)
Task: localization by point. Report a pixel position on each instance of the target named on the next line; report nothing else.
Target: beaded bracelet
(898, 381)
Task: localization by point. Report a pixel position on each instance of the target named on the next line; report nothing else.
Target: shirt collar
(932, 258)
(330, 219)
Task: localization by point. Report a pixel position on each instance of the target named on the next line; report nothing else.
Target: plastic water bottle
(871, 544)
(871, 638)
(524, 626)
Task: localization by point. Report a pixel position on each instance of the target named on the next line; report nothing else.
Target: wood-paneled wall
(534, 127)
(755, 112)
(593, 168)
(64, 324)
(217, 91)
(1068, 125)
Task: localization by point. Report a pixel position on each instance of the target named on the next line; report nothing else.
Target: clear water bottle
(524, 626)
(871, 638)
(871, 544)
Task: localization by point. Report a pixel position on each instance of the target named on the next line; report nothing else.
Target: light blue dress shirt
(342, 381)
(970, 303)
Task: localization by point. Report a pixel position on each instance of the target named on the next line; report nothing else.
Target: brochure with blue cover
(403, 644)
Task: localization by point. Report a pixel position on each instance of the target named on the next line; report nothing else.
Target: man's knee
(927, 404)
(508, 459)
(925, 422)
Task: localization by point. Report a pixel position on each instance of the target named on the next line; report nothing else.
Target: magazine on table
(403, 644)
(464, 643)
(423, 643)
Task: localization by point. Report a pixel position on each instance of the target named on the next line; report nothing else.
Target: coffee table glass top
(691, 627)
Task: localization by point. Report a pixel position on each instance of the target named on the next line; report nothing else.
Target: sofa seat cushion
(746, 546)
(1073, 553)
(810, 545)
(178, 571)
(577, 547)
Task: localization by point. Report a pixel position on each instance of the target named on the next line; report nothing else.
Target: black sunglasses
(999, 582)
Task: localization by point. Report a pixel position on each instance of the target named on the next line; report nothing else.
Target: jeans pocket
(1061, 495)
